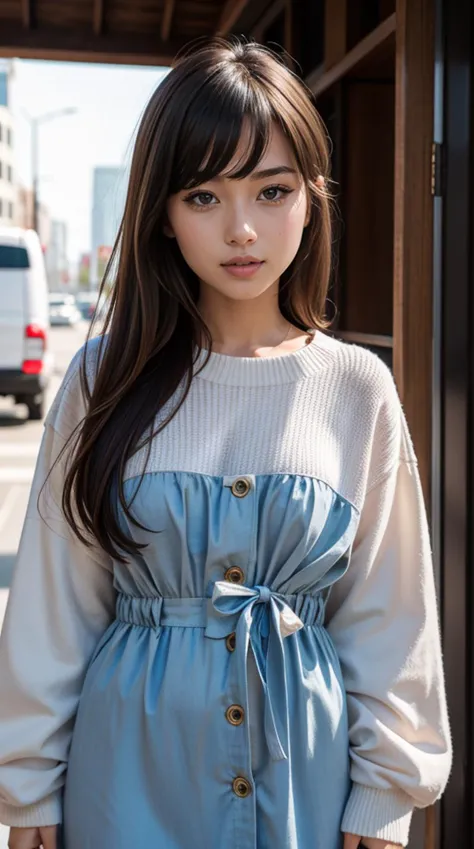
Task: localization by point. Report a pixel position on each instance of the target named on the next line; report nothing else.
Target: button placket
(235, 714)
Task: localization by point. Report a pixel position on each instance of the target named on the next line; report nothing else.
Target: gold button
(235, 575)
(230, 641)
(235, 715)
(241, 787)
(240, 487)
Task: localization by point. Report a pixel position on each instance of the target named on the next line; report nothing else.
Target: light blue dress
(213, 713)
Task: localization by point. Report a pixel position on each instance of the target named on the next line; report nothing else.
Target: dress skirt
(213, 713)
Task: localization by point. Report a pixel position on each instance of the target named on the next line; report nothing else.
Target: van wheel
(35, 407)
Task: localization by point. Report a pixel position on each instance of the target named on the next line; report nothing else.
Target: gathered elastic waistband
(195, 612)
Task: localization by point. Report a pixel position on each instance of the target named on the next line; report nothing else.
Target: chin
(244, 291)
(241, 290)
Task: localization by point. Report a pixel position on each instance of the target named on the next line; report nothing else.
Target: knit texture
(328, 410)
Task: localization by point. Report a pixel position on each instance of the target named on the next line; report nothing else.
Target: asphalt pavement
(19, 444)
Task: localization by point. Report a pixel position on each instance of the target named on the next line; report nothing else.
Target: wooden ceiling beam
(230, 15)
(74, 46)
(27, 14)
(268, 17)
(99, 16)
(167, 19)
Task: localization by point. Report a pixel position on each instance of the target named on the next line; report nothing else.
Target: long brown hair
(188, 135)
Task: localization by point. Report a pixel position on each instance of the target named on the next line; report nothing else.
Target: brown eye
(275, 193)
(200, 199)
(271, 194)
(205, 198)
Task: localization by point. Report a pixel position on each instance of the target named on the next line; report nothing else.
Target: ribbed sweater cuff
(384, 814)
(46, 812)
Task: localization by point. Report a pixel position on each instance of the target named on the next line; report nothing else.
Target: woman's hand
(351, 841)
(33, 838)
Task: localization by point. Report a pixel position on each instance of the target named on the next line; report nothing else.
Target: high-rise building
(109, 191)
(7, 174)
(57, 266)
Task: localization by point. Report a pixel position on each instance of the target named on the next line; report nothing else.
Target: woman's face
(258, 219)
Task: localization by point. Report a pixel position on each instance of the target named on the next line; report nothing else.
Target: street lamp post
(35, 122)
(34, 173)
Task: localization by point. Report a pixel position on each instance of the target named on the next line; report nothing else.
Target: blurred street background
(19, 443)
(64, 161)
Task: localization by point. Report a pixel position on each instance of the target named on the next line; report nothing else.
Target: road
(19, 443)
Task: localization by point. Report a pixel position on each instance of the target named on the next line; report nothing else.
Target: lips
(245, 260)
(242, 268)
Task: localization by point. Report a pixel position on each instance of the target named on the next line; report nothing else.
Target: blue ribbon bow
(230, 599)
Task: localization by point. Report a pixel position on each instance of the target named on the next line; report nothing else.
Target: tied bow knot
(230, 599)
(264, 593)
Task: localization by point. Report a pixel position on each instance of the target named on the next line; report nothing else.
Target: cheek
(196, 239)
(188, 228)
(291, 226)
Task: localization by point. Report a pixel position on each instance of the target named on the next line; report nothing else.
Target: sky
(109, 100)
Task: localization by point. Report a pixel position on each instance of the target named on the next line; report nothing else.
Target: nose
(239, 228)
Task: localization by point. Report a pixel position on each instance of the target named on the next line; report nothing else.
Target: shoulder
(360, 376)
(367, 410)
(88, 356)
(69, 405)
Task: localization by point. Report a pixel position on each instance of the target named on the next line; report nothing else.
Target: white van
(25, 361)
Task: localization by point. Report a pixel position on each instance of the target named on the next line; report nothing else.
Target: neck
(249, 328)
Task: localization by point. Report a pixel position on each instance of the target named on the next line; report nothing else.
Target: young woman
(222, 630)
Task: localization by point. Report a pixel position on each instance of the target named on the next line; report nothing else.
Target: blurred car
(63, 309)
(86, 304)
(91, 306)
(26, 361)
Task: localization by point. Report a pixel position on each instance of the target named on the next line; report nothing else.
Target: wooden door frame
(413, 222)
(454, 491)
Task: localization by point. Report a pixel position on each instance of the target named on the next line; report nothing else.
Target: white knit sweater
(331, 411)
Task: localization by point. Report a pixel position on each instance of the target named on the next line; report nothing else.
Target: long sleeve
(383, 620)
(61, 602)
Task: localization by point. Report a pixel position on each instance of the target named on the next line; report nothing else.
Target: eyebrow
(272, 172)
(265, 173)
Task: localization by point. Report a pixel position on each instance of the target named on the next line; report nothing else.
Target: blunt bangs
(224, 108)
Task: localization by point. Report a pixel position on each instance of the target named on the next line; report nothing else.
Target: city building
(109, 190)
(24, 215)
(57, 265)
(7, 171)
